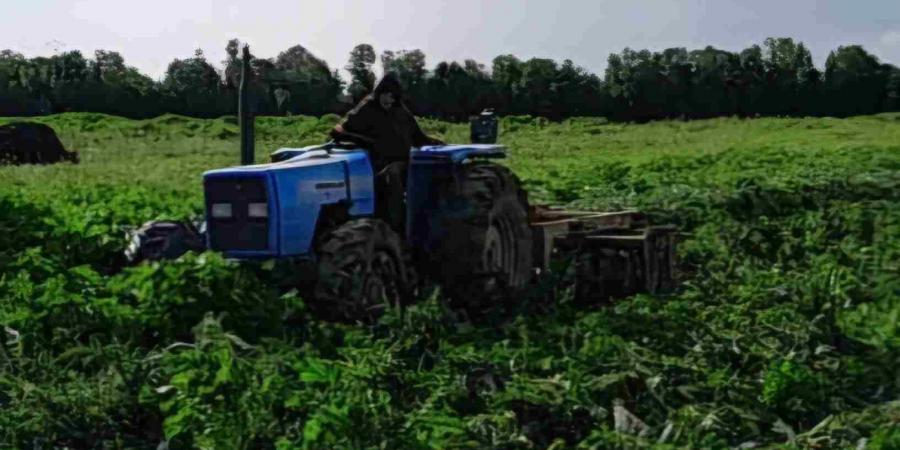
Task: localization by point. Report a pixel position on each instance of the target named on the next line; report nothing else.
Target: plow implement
(615, 254)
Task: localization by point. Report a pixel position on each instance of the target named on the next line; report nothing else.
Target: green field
(785, 332)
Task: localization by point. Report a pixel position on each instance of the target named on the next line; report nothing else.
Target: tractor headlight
(258, 210)
(221, 210)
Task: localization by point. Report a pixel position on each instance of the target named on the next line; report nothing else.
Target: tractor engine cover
(272, 210)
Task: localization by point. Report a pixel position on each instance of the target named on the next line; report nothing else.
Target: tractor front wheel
(363, 268)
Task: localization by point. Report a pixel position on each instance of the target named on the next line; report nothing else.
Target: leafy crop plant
(784, 332)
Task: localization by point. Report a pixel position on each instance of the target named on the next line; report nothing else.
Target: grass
(785, 332)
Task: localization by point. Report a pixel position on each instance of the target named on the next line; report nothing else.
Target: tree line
(775, 78)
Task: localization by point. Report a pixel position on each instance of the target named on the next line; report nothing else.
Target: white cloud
(233, 12)
(891, 38)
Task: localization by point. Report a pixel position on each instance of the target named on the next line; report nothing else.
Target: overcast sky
(150, 34)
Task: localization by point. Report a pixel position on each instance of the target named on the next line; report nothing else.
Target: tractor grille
(236, 230)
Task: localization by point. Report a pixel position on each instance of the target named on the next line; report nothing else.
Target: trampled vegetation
(785, 331)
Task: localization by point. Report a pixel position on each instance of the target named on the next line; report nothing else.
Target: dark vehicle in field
(32, 143)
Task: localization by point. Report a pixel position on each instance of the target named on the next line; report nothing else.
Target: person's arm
(339, 133)
(419, 138)
(357, 125)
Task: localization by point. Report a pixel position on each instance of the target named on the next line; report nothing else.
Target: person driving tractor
(382, 123)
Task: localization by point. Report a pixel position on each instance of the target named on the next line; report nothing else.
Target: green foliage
(777, 79)
(783, 334)
(362, 79)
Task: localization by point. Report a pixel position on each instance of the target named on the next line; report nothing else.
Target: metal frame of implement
(616, 253)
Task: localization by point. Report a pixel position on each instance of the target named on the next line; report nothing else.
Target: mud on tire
(484, 251)
(363, 266)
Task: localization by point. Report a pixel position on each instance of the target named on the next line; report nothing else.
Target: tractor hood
(457, 153)
(294, 193)
(453, 153)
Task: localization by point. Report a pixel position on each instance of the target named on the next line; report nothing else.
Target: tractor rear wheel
(485, 243)
(363, 268)
(160, 240)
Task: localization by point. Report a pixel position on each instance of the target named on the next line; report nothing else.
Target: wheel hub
(493, 250)
(381, 282)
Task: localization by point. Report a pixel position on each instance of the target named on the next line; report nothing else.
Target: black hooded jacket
(388, 133)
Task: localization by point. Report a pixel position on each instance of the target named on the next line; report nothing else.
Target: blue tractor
(468, 228)
(466, 222)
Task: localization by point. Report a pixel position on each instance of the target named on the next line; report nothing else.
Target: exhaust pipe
(245, 116)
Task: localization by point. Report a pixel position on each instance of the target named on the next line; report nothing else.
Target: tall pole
(245, 115)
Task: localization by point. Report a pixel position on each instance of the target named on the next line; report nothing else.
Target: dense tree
(578, 92)
(855, 81)
(636, 81)
(107, 63)
(713, 92)
(455, 91)
(750, 83)
(506, 74)
(408, 64)
(262, 99)
(538, 77)
(299, 59)
(191, 75)
(678, 73)
(16, 96)
(791, 77)
(777, 77)
(362, 79)
(892, 94)
(312, 87)
(69, 67)
(231, 75)
(193, 86)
